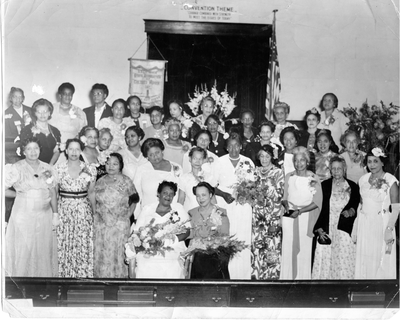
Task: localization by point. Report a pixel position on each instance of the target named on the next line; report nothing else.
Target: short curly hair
(39, 103)
(291, 129)
(169, 184)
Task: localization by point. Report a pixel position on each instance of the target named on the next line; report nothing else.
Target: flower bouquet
(225, 246)
(375, 124)
(152, 238)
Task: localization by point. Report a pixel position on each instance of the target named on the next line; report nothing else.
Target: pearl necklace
(232, 159)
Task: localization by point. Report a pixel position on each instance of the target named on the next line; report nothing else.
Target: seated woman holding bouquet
(302, 203)
(175, 148)
(117, 124)
(201, 171)
(209, 223)
(116, 199)
(266, 223)
(335, 253)
(202, 140)
(324, 154)
(309, 137)
(158, 237)
(218, 135)
(149, 175)
(266, 133)
(353, 156)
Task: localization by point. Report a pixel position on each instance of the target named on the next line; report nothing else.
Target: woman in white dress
(132, 155)
(202, 139)
(117, 124)
(159, 267)
(302, 201)
(152, 173)
(375, 234)
(289, 138)
(240, 216)
(201, 171)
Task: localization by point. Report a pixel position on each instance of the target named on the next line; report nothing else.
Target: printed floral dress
(337, 260)
(111, 227)
(75, 232)
(266, 230)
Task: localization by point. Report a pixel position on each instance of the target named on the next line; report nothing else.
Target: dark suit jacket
(220, 149)
(90, 114)
(344, 224)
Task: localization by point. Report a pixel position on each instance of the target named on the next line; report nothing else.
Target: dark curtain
(240, 62)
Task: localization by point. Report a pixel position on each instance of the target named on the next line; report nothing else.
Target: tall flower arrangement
(374, 124)
(224, 103)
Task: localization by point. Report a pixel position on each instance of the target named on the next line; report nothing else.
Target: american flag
(274, 76)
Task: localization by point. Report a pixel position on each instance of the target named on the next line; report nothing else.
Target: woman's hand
(285, 204)
(348, 213)
(56, 220)
(322, 234)
(295, 213)
(388, 235)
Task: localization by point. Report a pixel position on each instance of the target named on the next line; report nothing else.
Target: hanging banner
(210, 11)
(147, 81)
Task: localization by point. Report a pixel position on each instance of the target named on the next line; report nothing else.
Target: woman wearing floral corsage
(267, 211)
(157, 169)
(175, 148)
(154, 247)
(209, 223)
(29, 245)
(76, 204)
(48, 136)
(302, 202)
(322, 157)
(218, 142)
(374, 230)
(265, 137)
(331, 118)
(201, 171)
(335, 252)
(233, 169)
(116, 199)
(353, 156)
(117, 124)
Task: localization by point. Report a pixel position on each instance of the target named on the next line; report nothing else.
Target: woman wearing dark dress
(208, 221)
(218, 142)
(308, 137)
(266, 132)
(48, 136)
(247, 132)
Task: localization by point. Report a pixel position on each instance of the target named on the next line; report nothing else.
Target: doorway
(198, 53)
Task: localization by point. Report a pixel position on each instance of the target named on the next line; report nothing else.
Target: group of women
(77, 199)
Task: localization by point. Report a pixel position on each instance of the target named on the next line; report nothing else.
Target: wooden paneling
(206, 28)
(187, 293)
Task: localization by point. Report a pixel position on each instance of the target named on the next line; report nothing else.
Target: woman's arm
(92, 196)
(54, 158)
(181, 197)
(225, 195)
(54, 206)
(10, 193)
(183, 236)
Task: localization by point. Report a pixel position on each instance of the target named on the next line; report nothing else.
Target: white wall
(349, 47)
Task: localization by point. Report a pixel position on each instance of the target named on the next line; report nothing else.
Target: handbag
(327, 241)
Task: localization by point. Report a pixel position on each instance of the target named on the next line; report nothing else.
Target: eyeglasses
(42, 112)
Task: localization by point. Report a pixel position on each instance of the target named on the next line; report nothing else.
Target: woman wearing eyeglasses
(49, 137)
